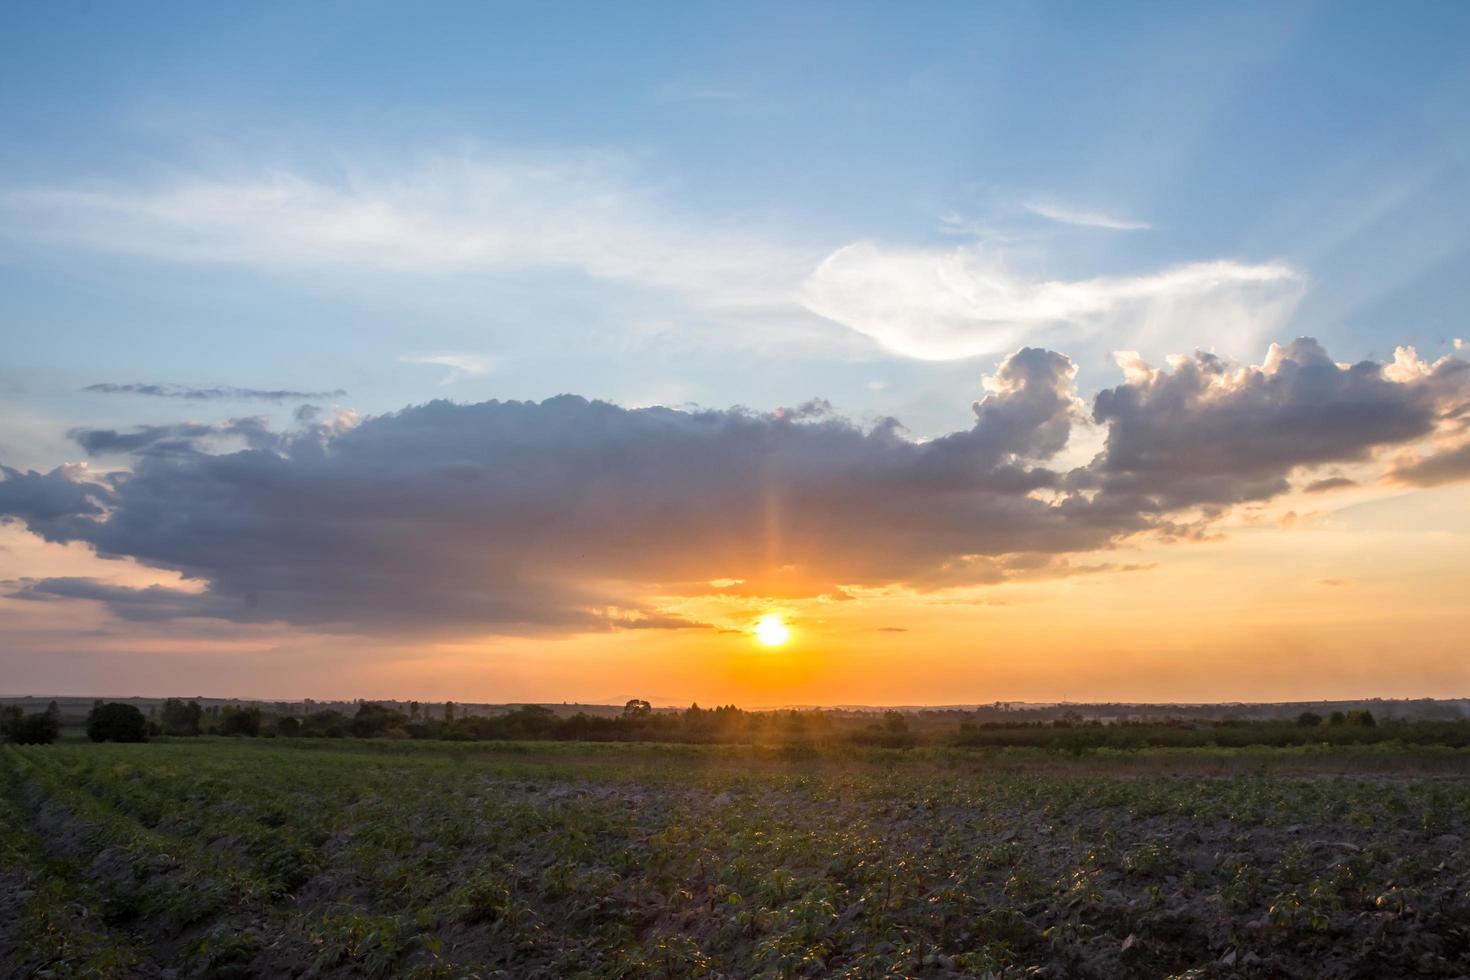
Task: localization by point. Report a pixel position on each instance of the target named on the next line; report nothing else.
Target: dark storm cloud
(517, 515)
(212, 392)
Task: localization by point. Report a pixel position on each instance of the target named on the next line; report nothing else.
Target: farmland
(356, 858)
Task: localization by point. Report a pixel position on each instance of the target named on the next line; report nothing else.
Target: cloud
(569, 514)
(505, 516)
(1446, 466)
(944, 304)
(1052, 211)
(1329, 483)
(211, 393)
(1209, 433)
(184, 437)
(510, 216)
(460, 366)
(448, 215)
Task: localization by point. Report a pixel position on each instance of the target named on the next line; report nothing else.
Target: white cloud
(497, 217)
(448, 215)
(1053, 211)
(460, 366)
(943, 304)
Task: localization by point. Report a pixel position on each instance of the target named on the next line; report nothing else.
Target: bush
(116, 722)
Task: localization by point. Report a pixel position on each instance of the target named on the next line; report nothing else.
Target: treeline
(1338, 728)
(638, 722)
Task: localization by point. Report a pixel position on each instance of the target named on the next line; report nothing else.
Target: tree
(1362, 719)
(38, 728)
(1309, 719)
(288, 727)
(1337, 718)
(637, 708)
(374, 720)
(448, 710)
(179, 718)
(240, 721)
(116, 722)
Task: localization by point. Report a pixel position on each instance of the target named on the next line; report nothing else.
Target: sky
(1018, 351)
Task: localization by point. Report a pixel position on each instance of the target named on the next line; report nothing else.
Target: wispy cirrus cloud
(448, 214)
(505, 217)
(460, 366)
(1064, 214)
(211, 392)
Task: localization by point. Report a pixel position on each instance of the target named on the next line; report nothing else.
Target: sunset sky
(1017, 351)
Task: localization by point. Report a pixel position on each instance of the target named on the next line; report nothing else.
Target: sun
(771, 630)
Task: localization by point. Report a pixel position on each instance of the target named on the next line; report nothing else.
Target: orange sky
(1363, 597)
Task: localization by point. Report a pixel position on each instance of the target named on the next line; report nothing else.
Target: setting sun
(771, 630)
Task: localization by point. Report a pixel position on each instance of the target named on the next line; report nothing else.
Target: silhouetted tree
(288, 727)
(374, 720)
(38, 728)
(1337, 718)
(637, 708)
(1309, 719)
(116, 722)
(179, 718)
(240, 721)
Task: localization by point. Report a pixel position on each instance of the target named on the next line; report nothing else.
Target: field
(342, 858)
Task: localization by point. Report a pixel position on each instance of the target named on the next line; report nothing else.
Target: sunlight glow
(771, 630)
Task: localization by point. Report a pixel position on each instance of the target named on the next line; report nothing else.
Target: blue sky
(701, 203)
